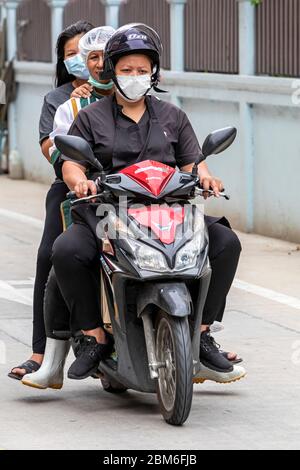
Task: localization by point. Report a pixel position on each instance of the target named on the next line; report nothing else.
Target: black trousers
(52, 229)
(76, 264)
(224, 253)
(75, 260)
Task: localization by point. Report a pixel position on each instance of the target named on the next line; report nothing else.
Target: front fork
(196, 320)
(150, 344)
(195, 325)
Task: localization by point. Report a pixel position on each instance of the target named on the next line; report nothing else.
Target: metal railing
(278, 38)
(34, 31)
(211, 31)
(211, 36)
(89, 10)
(155, 13)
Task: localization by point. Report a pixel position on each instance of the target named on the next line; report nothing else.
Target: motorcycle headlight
(187, 256)
(147, 258)
(117, 228)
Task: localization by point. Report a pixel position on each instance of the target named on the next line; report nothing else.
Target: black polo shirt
(97, 125)
(52, 101)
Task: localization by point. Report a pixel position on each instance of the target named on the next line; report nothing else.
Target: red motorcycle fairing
(161, 218)
(151, 175)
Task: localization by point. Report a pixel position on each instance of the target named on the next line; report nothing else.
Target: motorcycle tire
(175, 381)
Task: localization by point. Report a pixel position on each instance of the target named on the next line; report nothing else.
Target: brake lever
(85, 199)
(224, 195)
(200, 191)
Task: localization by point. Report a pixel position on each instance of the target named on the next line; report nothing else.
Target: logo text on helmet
(137, 36)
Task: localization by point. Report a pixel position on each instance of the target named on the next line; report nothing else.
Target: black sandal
(29, 367)
(237, 359)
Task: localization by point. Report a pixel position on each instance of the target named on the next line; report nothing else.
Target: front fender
(174, 298)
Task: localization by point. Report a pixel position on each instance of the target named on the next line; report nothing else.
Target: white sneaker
(51, 372)
(205, 373)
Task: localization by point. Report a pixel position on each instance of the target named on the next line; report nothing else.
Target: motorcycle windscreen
(163, 220)
(151, 175)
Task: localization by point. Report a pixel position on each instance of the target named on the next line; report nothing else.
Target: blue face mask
(76, 66)
(99, 85)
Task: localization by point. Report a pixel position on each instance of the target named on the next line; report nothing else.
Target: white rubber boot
(205, 373)
(51, 372)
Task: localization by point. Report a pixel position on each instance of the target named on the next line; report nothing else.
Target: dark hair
(62, 75)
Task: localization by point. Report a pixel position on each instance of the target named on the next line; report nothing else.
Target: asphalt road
(262, 323)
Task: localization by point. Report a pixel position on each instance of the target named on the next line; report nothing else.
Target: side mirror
(77, 149)
(218, 141)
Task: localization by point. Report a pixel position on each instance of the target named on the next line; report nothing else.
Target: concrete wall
(261, 170)
(34, 80)
(277, 154)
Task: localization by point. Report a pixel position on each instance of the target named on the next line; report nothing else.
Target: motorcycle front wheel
(175, 381)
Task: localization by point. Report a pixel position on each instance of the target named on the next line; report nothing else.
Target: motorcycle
(155, 272)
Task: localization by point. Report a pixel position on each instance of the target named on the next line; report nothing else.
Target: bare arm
(206, 179)
(188, 145)
(46, 145)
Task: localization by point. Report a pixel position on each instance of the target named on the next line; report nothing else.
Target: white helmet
(95, 40)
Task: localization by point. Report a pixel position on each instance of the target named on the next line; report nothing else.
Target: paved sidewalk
(262, 323)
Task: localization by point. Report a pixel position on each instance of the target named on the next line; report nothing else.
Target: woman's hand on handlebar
(84, 187)
(211, 182)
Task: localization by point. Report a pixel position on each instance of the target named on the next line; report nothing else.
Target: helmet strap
(155, 81)
(159, 90)
(114, 79)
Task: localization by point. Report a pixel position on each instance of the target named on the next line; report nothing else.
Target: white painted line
(26, 282)
(293, 302)
(23, 219)
(26, 293)
(25, 296)
(8, 292)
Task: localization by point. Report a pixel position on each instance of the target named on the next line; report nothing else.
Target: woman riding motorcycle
(71, 73)
(122, 129)
(90, 48)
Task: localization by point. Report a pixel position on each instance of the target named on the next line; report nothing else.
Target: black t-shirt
(52, 101)
(96, 124)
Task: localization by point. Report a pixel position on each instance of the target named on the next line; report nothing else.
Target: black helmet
(132, 38)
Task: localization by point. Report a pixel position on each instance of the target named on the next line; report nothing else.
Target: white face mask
(134, 86)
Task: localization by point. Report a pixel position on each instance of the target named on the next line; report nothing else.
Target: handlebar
(200, 191)
(71, 195)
